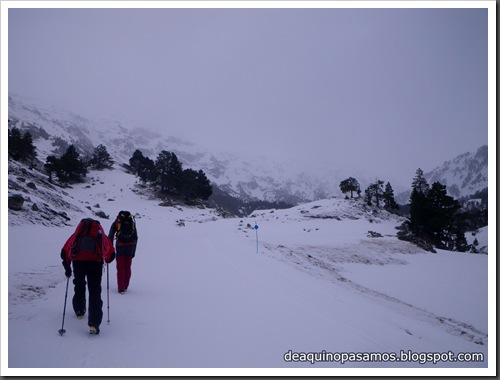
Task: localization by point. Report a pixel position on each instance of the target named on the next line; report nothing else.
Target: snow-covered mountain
(54, 129)
(464, 176)
(256, 179)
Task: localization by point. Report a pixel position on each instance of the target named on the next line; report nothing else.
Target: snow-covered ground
(215, 296)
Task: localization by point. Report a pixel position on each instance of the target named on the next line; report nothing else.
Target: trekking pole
(256, 227)
(62, 331)
(107, 275)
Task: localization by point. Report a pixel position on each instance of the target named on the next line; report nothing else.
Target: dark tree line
(375, 193)
(381, 196)
(21, 146)
(70, 168)
(167, 175)
(435, 218)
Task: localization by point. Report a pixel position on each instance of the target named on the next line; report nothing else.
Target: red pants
(123, 271)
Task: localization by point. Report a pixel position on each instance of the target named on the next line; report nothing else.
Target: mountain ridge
(464, 176)
(248, 180)
(252, 180)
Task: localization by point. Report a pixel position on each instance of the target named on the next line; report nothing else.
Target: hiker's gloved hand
(68, 272)
(111, 258)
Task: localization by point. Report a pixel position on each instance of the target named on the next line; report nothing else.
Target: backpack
(125, 227)
(88, 241)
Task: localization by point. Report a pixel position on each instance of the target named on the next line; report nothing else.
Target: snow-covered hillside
(327, 277)
(464, 175)
(247, 179)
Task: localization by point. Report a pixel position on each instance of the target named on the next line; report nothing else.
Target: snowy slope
(463, 175)
(248, 179)
(202, 297)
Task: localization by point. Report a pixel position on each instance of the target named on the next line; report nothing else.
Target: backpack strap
(78, 237)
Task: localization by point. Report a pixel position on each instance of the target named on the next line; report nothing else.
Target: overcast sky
(388, 89)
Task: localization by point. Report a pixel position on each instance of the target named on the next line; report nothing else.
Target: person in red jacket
(126, 242)
(88, 248)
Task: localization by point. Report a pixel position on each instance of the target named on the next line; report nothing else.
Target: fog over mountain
(248, 179)
(333, 92)
(256, 178)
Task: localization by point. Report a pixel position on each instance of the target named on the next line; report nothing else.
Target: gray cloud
(386, 90)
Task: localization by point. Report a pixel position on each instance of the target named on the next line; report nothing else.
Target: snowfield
(206, 297)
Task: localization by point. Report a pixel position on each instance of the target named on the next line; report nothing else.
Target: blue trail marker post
(256, 228)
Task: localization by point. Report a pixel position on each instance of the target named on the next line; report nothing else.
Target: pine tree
(168, 172)
(443, 225)
(419, 208)
(167, 175)
(188, 184)
(147, 171)
(51, 166)
(434, 215)
(374, 191)
(143, 166)
(136, 161)
(388, 197)
(28, 149)
(420, 183)
(101, 158)
(70, 168)
(349, 185)
(204, 187)
(15, 139)
(21, 146)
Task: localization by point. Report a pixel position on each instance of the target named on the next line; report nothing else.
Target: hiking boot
(94, 330)
(122, 291)
(80, 314)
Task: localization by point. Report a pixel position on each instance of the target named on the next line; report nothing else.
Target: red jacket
(105, 251)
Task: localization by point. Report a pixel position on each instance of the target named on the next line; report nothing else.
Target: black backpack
(125, 227)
